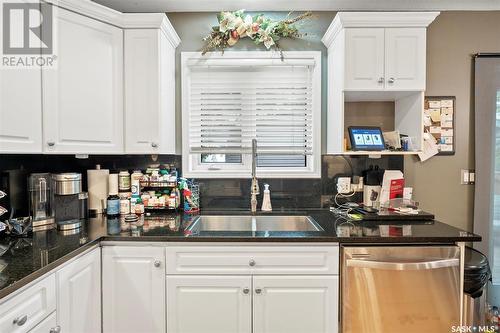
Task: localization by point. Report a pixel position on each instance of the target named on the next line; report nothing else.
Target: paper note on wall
(447, 103)
(435, 115)
(429, 149)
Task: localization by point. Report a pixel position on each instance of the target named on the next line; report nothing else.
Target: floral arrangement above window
(262, 30)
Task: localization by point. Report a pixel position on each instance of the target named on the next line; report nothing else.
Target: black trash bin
(477, 273)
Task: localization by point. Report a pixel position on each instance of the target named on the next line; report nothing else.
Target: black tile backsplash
(217, 193)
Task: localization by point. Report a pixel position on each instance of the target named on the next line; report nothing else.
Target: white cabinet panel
(20, 111)
(49, 325)
(149, 92)
(142, 88)
(25, 310)
(405, 58)
(209, 304)
(295, 304)
(79, 294)
(364, 59)
(83, 96)
(133, 284)
(252, 260)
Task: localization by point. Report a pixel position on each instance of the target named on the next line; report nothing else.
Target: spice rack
(159, 185)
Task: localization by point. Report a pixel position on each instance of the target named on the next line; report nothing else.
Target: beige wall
(451, 40)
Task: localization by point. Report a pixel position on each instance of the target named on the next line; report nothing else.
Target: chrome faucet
(254, 189)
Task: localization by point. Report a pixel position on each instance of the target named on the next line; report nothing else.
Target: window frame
(191, 163)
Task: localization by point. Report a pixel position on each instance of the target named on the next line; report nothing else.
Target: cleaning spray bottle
(266, 201)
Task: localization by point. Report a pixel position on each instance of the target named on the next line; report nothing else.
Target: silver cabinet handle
(391, 80)
(154, 145)
(381, 80)
(56, 329)
(251, 262)
(403, 266)
(20, 321)
(246, 291)
(258, 290)
(157, 263)
(51, 144)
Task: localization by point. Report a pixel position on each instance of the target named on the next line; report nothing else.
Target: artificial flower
(265, 37)
(246, 28)
(234, 37)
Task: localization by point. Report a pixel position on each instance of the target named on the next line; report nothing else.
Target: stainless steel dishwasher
(394, 289)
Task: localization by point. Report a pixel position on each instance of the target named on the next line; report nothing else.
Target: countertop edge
(340, 240)
(4, 292)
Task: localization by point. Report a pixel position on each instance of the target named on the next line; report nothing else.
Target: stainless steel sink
(254, 223)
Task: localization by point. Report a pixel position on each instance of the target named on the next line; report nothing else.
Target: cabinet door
(20, 111)
(49, 325)
(295, 304)
(142, 91)
(405, 58)
(364, 59)
(83, 95)
(133, 284)
(209, 304)
(79, 297)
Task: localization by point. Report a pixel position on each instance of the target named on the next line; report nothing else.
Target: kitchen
(124, 214)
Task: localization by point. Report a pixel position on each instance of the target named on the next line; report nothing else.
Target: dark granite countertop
(22, 260)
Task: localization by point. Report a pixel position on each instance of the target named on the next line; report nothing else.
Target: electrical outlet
(467, 177)
(344, 185)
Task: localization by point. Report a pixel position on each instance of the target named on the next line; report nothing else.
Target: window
(230, 99)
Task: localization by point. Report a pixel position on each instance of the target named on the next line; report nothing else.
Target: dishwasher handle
(403, 266)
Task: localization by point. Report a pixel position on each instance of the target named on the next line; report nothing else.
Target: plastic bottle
(113, 201)
(266, 201)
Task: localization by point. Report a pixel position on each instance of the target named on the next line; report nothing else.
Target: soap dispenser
(266, 201)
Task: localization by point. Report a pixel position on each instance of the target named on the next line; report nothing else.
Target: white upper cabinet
(364, 59)
(150, 90)
(20, 111)
(379, 51)
(405, 58)
(385, 59)
(83, 96)
(374, 57)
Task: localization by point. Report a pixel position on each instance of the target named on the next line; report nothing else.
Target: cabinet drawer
(48, 325)
(252, 260)
(34, 304)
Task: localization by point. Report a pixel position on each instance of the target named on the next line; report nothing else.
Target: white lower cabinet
(79, 294)
(24, 311)
(249, 293)
(222, 304)
(295, 304)
(133, 284)
(49, 325)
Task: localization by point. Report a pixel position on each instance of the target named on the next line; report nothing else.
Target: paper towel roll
(97, 184)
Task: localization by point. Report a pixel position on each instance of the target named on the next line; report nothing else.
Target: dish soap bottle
(266, 201)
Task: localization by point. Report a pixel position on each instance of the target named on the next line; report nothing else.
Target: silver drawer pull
(258, 290)
(51, 144)
(391, 80)
(157, 263)
(20, 321)
(56, 329)
(381, 80)
(154, 145)
(251, 262)
(246, 291)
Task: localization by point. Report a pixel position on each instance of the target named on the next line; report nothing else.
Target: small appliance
(41, 201)
(71, 204)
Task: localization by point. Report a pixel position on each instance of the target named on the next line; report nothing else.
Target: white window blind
(232, 104)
